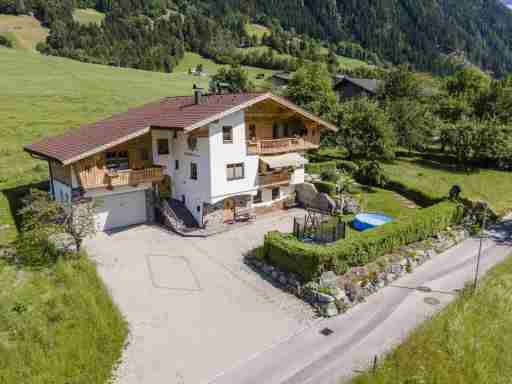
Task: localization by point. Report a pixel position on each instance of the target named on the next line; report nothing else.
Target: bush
(330, 175)
(309, 260)
(372, 174)
(326, 187)
(347, 166)
(4, 41)
(318, 168)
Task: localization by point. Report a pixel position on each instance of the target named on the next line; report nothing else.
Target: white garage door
(121, 210)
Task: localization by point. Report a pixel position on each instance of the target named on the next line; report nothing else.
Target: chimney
(198, 94)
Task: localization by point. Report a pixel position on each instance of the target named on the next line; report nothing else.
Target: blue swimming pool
(365, 221)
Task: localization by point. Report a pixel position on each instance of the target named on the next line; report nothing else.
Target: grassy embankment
(88, 16)
(468, 342)
(436, 179)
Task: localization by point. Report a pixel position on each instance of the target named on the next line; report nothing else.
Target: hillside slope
(416, 31)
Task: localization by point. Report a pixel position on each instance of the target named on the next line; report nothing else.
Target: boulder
(306, 193)
(328, 280)
(329, 310)
(324, 298)
(351, 205)
(323, 202)
(396, 268)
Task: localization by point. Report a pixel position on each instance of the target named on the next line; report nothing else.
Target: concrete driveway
(195, 310)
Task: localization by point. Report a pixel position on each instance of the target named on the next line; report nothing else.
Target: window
(275, 193)
(144, 155)
(163, 146)
(235, 171)
(117, 160)
(176, 164)
(227, 135)
(193, 171)
(252, 131)
(258, 198)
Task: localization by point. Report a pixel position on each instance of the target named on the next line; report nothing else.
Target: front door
(229, 210)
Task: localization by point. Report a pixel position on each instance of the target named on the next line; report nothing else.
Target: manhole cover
(326, 331)
(424, 289)
(432, 301)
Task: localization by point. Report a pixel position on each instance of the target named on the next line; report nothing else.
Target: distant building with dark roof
(347, 87)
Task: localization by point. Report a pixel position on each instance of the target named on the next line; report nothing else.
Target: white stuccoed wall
(223, 154)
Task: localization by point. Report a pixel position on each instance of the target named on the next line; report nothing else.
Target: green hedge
(309, 260)
(318, 168)
(325, 187)
(342, 165)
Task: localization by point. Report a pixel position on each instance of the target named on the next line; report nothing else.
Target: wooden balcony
(134, 177)
(276, 146)
(274, 179)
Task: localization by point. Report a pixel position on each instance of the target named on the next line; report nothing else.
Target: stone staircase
(177, 217)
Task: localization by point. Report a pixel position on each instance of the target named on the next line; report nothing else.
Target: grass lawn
(257, 30)
(26, 31)
(88, 16)
(57, 325)
(468, 342)
(436, 179)
(387, 202)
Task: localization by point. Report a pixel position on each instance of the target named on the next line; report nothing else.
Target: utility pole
(482, 229)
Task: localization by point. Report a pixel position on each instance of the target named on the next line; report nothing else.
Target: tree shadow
(15, 197)
(449, 167)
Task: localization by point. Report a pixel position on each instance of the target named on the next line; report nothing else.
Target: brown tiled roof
(172, 112)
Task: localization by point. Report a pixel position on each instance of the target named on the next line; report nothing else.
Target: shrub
(372, 174)
(5, 42)
(330, 175)
(309, 260)
(347, 166)
(326, 187)
(318, 168)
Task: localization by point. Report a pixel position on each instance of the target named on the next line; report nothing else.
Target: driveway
(194, 308)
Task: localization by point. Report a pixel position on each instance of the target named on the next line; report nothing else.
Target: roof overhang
(283, 161)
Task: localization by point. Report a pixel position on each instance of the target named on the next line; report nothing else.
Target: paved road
(374, 327)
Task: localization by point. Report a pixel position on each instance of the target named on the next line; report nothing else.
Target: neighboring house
(347, 87)
(211, 152)
(281, 79)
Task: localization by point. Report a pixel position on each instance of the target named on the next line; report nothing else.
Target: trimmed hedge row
(318, 168)
(342, 165)
(309, 260)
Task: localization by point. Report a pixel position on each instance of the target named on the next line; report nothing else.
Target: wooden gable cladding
(92, 171)
(261, 118)
(60, 172)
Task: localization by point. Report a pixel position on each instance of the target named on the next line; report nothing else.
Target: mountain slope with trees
(431, 35)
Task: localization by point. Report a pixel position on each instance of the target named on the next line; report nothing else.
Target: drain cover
(326, 331)
(432, 301)
(424, 289)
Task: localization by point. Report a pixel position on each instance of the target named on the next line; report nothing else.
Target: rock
(340, 294)
(324, 298)
(329, 310)
(268, 269)
(396, 268)
(430, 254)
(351, 206)
(275, 274)
(328, 280)
(257, 263)
(282, 279)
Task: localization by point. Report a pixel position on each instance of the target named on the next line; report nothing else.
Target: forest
(431, 35)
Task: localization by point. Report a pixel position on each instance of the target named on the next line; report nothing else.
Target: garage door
(121, 210)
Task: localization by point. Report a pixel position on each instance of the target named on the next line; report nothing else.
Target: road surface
(374, 327)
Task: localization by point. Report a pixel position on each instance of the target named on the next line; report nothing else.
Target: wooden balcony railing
(133, 177)
(275, 146)
(274, 178)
